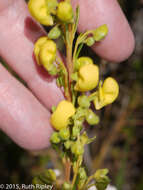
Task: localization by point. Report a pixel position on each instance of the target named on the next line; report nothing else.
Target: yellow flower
(88, 77)
(60, 118)
(37, 47)
(45, 52)
(65, 11)
(107, 93)
(39, 11)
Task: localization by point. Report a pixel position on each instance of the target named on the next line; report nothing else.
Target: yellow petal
(88, 78)
(38, 10)
(47, 53)
(37, 47)
(60, 117)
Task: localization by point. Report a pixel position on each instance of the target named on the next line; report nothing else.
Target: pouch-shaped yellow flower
(60, 118)
(107, 93)
(37, 47)
(47, 53)
(88, 78)
(65, 11)
(39, 11)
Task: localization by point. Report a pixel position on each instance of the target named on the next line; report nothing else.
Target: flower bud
(38, 10)
(82, 173)
(67, 144)
(75, 131)
(64, 134)
(100, 32)
(65, 12)
(60, 118)
(88, 78)
(50, 174)
(90, 41)
(66, 186)
(107, 93)
(54, 33)
(55, 138)
(83, 61)
(92, 118)
(83, 101)
(77, 148)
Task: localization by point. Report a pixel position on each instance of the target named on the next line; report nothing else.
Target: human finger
(119, 43)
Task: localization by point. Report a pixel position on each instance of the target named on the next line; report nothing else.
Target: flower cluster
(79, 79)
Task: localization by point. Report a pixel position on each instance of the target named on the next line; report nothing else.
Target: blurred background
(119, 142)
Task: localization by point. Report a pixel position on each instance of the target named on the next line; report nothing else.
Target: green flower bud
(83, 101)
(67, 144)
(50, 174)
(65, 12)
(90, 41)
(92, 118)
(66, 186)
(75, 131)
(82, 173)
(55, 138)
(54, 33)
(36, 180)
(78, 122)
(64, 134)
(101, 179)
(77, 148)
(100, 32)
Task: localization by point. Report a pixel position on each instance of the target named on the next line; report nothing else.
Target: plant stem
(88, 180)
(75, 173)
(69, 44)
(67, 170)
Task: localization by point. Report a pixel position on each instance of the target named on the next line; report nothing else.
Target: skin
(25, 112)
